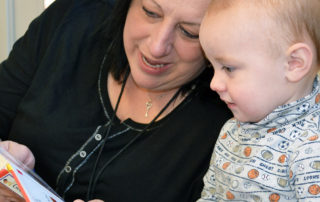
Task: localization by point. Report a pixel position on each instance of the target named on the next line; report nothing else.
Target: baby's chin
(247, 119)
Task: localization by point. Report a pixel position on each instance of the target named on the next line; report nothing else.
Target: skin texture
(20, 152)
(249, 77)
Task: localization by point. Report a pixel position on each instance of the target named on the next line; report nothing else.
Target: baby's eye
(150, 13)
(228, 69)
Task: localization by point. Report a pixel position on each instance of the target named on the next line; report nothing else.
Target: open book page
(19, 183)
(9, 190)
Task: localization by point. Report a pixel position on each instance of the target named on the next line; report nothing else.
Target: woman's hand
(20, 152)
(95, 200)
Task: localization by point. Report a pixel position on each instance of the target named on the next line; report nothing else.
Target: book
(18, 183)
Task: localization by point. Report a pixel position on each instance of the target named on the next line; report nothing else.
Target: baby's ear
(299, 61)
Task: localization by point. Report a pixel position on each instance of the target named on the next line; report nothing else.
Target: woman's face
(161, 42)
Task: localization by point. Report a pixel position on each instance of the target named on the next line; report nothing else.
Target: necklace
(148, 107)
(149, 103)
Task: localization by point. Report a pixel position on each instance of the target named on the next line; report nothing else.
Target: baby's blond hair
(298, 20)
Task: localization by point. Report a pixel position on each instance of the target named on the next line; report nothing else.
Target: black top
(51, 101)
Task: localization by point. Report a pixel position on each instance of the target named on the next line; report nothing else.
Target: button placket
(98, 137)
(68, 169)
(83, 154)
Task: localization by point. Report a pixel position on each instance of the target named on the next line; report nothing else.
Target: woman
(119, 110)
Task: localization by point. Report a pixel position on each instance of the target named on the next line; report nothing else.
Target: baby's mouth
(153, 64)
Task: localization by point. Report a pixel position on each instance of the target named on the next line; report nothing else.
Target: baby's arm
(305, 169)
(208, 192)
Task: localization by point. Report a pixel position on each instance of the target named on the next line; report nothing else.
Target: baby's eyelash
(228, 69)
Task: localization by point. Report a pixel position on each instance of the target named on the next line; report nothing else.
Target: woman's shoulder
(61, 12)
(66, 10)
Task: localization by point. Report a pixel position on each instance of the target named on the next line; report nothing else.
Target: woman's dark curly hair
(116, 60)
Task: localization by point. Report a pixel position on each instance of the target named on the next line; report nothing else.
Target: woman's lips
(152, 66)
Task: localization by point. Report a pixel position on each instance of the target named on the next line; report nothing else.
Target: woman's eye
(228, 69)
(150, 13)
(188, 34)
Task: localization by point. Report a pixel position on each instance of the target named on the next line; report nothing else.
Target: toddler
(265, 55)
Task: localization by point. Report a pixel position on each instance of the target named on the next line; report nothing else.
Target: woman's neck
(140, 104)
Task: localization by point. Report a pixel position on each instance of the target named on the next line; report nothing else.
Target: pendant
(148, 107)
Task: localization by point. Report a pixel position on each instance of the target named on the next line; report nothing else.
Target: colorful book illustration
(20, 184)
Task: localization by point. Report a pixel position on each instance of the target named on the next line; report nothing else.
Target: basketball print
(282, 158)
(225, 165)
(247, 151)
(253, 173)
(224, 136)
(229, 195)
(313, 138)
(271, 130)
(274, 197)
(314, 189)
(317, 98)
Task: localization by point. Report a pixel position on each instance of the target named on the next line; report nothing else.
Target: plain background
(15, 17)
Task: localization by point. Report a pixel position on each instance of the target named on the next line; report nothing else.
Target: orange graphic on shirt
(314, 189)
(274, 197)
(317, 98)
(290, 174)
(229, 195)
(224, 136)
(282, 158)
(247, 151)
(225, 165)
(253, 173)
(313, 138)
(271, 130)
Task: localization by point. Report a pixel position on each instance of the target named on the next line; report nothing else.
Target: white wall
(15, 17)
(3, 30)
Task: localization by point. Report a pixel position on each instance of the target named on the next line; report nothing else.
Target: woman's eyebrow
(156, 3)
(190, 23)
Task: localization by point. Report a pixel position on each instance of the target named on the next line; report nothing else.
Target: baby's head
(265, 52)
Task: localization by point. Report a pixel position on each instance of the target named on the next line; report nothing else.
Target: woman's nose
(161, 41)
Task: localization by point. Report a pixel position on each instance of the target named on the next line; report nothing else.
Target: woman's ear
(299, 61)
